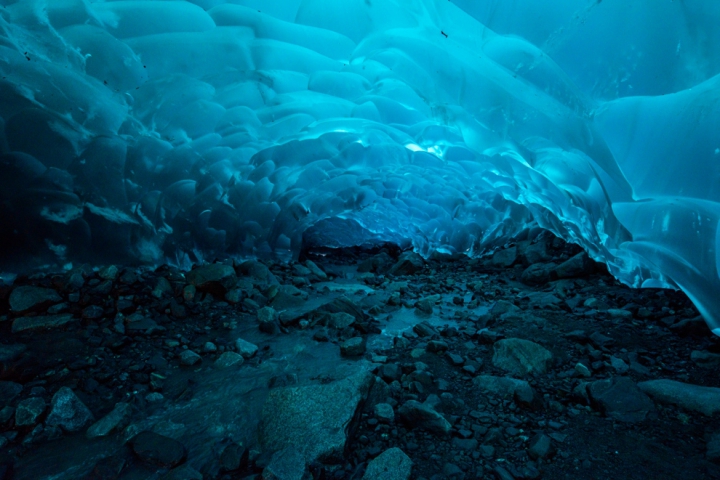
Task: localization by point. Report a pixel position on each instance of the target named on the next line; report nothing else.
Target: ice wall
(155, 130)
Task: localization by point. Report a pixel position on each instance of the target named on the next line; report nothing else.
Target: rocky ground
(532, 363)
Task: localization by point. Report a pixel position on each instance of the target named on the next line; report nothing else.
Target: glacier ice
(141, 130)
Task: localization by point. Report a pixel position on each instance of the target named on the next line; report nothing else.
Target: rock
(520, 357)
(409, 263)
(583, 370)
(234, 296)
(116, 420)
(229, 359)
(213, 278)
(342, 305)
(234, 457)
(286, 464)
(315, 418)
(703, 359)
(421, 415)
(713, 448)
(268, 320)
(621, 399)
(209, 347)
(340, 320)
(8, 392)
(696, 327)
(504, 258)
(287, 297)
(390, 372)
(384, 413)
(540, 447)
(68, 412)
(259, 272)
(44, 322)
(315, 270)
(189, 358)
(246, 349)
(578, 266)
(426, 304)
(26, 298)
(503, 307)
(535, 253)
(619, 313)
(183, 472)
(6, 413)
(189, 292)
(705, 400)
(392, 464)
(157, 449)
(110, 272)
(506, 387)
(8, 353)
(424, 329)
(28, 411)
(538, 274)
(376, 264)
(108, 468)
(353, 347)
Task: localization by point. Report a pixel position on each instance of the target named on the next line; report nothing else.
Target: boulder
(578, 266)
(316, 419)
(520, 357)
(392, 464)
(621, 399)
(409, 263)
(27, 298)
(68, 412)
(705, 400)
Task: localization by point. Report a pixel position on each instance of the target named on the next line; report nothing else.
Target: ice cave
(142, 141)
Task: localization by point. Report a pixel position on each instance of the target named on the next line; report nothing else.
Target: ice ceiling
(155, 130)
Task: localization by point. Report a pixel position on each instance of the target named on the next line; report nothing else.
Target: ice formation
(155, 130)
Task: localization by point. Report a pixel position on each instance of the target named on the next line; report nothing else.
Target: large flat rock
(705, 400)
(23, 299)
(315, 419)
(43, 322)
(520, 357)
(621, 399)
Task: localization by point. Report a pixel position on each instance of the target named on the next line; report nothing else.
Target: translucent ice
(147, 130)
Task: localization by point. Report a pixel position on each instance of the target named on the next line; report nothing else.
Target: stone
(409, 263)
(8, 353)
(702, 359)
(538, 274)
(342, 305)
(504, 258)
(213, 278)
(353, 347)
(6, 413)
(183, 472)
(540, 447)
(233, 457)
(503, 307)
(189, 358)
(44, 322)
(713, 448)
(110, 272)
(28, 411)
(286, 464)
(258, 272)
(315, 270)
(340, 320)
(421, 415)
(377, 264)
(520, 390)
(384, 413)
(621, 399)
(392, 464)
(578, 266)
(695, 327)
(619, 365)
(520, 357)
(114, 421)
(157, 449)
(27, 298)
(268, 320)
(245, 348)
(68, 412)
(8, 392)
(229, 359)
(234, 296)
(209, 347)
(426, 304)
(705, 400)
(390, 372)
(316, 419)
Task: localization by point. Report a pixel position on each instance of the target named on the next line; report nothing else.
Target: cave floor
(405, 354)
